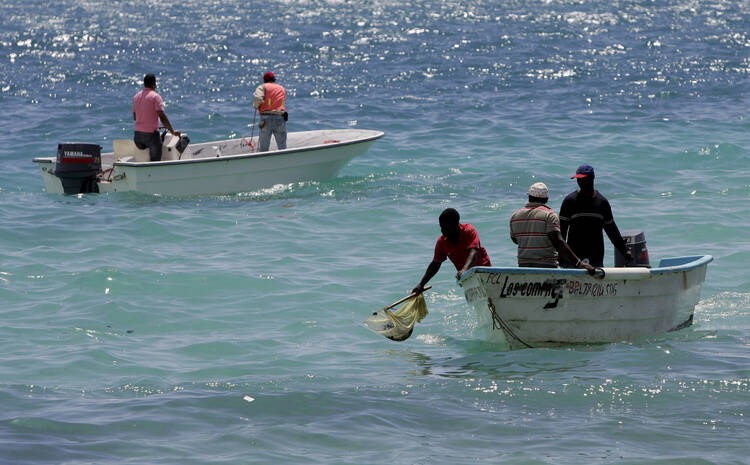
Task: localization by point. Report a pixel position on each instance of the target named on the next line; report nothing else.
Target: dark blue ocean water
(221, 330)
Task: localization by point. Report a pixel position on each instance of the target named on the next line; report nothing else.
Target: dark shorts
(151, 141)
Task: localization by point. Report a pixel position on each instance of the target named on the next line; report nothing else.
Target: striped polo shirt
(529, 227)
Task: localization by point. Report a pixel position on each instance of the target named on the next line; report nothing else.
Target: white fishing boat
(535, 307)
(218, 167)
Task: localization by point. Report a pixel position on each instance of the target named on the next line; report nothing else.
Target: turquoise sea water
(228, 330)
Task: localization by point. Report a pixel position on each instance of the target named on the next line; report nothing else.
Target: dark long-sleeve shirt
(582, 219)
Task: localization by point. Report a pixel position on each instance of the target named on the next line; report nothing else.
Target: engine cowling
(78, 166)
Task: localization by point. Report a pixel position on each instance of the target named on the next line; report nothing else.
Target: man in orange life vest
(269, 99)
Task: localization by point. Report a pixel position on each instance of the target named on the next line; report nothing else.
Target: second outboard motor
(173, 146)
(635, 241)
(183, 143)
(77, 166)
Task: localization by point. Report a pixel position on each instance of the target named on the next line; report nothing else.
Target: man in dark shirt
(583, 215)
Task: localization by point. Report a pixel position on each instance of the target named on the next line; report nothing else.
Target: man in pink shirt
(148, 109)
(460, 243)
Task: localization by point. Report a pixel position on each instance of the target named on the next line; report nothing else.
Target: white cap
(539, 190)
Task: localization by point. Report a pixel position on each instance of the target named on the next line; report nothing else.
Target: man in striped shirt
(536, 229)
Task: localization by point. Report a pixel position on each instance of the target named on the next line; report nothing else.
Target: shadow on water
(494, 361)
(683, 336)
(478, 359)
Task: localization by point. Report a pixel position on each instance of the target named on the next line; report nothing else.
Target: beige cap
(539, 190)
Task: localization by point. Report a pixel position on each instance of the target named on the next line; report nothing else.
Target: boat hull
(230, 166)
(533, 307)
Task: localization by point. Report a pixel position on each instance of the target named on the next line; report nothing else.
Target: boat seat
(124, 148)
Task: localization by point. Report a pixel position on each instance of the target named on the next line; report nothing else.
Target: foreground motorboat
(534, 307)
(219, 167)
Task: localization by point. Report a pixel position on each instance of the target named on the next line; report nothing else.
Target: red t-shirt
(467, 239)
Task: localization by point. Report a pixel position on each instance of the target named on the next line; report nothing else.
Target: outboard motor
(173, 146)
(77, 166)
(635, 241)
(183, 143)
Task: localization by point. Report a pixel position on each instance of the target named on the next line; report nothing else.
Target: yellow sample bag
(398, 325)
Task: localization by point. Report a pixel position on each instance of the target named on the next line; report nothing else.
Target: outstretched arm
(613, 232)
(165, 122)
(565, 251)
(431, 271)
(470, 260)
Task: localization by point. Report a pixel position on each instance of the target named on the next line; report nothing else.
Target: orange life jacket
(274, 98)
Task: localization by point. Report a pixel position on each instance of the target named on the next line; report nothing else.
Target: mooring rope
(498, 323)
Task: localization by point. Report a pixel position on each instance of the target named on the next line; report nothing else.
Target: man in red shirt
(460, 243)
(148, 109)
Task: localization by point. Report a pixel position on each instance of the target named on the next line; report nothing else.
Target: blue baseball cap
(584, 171)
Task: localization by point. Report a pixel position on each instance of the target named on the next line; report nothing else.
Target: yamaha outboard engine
(77, 166)
(635, 241)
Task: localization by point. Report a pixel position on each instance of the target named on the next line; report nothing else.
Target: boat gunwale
(696, 262)
(376, 135)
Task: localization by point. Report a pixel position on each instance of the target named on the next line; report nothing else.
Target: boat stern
(52, 183)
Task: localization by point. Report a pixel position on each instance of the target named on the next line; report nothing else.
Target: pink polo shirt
(145, 105)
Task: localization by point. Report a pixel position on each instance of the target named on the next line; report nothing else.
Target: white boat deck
(225, 166)
(247, 146)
